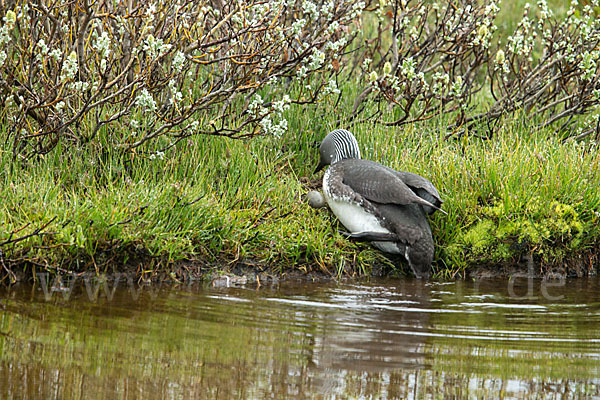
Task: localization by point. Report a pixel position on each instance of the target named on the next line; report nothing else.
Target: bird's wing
(421, 186)
(378, 183)
(409, 223)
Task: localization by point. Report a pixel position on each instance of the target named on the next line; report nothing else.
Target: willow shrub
(138, 70)
(427, 58)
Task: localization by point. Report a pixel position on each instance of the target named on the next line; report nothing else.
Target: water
(380, 339)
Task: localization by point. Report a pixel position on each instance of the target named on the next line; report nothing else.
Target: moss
(549, 230)
(480, 237)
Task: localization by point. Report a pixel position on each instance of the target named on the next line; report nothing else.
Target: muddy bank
(144, 269)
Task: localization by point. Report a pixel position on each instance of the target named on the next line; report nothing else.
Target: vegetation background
(176, 138)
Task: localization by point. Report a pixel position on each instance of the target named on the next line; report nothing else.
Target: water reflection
(382, 339)
(375, 328)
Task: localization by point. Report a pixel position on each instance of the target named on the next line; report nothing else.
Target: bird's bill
(319, 167)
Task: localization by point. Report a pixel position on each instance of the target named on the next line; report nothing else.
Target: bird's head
(338, 145)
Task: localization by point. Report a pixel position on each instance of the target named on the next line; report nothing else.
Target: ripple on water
(383, 339)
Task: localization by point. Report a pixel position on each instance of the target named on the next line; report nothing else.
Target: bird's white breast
(354, 217)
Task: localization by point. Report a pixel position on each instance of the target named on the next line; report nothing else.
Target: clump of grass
(212, 200)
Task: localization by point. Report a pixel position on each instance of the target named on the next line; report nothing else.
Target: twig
(37, 232)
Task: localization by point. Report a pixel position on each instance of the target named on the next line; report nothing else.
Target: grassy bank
(106, 199)
(212, 203)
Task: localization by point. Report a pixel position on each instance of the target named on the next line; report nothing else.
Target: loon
(375, 203)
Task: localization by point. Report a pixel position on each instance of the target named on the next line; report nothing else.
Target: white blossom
(357, 9)
(491, 9)
(43, 48)
(333, 27)
(256, 104)
(331, 88)
(366, 63)
(10, 19)
(316, 59)
(179, 61)
(176, 95)
(336, 46)
(414, 33)
(302, 72)
(70, 67)
(103, 44)
(145, 100)
(311, 9)
(55, 54)
(158, 154)
(408, 68)
(79, 86)
(282, 105)
(151, 12)
(457, 86)
(545, 12)
(155, 47)
(298, 25)
(588, 65)
(440, 82)
(326, 9)
(9, 101)
(424, 85)
(275, 129)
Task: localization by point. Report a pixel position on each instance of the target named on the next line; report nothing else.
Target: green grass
(210, 199)
(215, 201)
